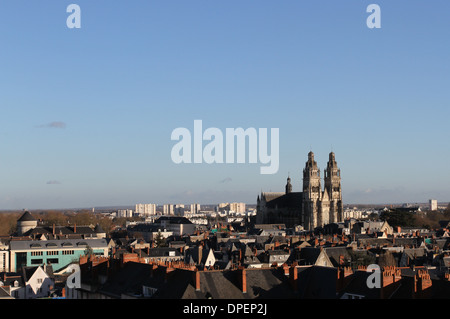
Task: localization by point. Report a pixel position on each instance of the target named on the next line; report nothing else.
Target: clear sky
(87, 114)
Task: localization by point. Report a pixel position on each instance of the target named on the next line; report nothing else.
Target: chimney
(293, 276)
(83, 259)
(243, 276)
(344, 275)
(75, 228)
(200, 254)
(422, 284)
(197, 279)
(447, 276)
(285, 269)
(169, 269)
(53, 229)
(387, 285)
(152, 270)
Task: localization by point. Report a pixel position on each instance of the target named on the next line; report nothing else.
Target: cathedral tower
(332, 180)
(312, 207)
(288, 186)
(312, 194)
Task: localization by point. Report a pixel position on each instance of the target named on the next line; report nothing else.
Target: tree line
(8, 220)
(426, 219)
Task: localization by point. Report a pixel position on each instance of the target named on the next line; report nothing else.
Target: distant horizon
(111, 207)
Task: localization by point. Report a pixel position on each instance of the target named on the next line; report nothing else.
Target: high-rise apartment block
(433, 204)
(195, 208)
(145, 209)
(168, 209)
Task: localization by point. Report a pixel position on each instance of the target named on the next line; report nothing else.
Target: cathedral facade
(311, 208)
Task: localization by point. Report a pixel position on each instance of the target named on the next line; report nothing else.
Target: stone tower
(332, 180)
(321, 207)
(312, 194)
(288, 186)
(25, 223)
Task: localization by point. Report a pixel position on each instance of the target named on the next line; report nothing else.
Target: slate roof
(192, 255)
(61, 230)
(133, 276)
(179, 283)
(26, 216)
(358, 286)
(173, 220)
(269, 283)
(292, 200)
(269, 196)
(57, 243)
(407, 241)
(334, 254)
(308, 255)
(162, 252)
(442, 243)
(5, 293)
(317, 282)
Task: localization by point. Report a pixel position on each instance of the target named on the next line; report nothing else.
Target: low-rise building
(58, 253)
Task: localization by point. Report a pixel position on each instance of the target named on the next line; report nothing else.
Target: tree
(447, 212)
(53, 217)
(88, 251)
(159, 240)
(399, 218)
(8, 223)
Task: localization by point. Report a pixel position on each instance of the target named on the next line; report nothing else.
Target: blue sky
(87, 113)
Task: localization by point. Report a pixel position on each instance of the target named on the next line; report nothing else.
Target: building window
(52, 252)
(68, 252)
(36, 253)
(53, 260)
(36, 261)
(39, 280)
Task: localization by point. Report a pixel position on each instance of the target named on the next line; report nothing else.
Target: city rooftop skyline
(88, 113)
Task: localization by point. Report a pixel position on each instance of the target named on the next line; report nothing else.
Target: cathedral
(311, 208)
